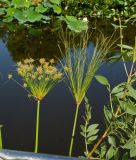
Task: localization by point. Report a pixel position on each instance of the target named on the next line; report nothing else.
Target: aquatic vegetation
(80, 66)
(38, 81)
(119, 114)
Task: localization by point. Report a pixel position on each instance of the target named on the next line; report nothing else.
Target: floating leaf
(20, 16)
(57, 9)
(21, 3)
(41, 9)
(75, 24)
(55, 1)
(33, 16)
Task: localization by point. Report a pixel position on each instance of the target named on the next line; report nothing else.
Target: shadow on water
(17, 111)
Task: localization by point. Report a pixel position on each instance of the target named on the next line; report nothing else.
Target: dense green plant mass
(32, 11)
(41, 10)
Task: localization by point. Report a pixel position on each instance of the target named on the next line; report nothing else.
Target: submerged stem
(37, 127)
(73, 132)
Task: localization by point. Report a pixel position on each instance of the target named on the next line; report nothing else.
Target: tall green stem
(1, 146)
(73, 132)
(37, 127)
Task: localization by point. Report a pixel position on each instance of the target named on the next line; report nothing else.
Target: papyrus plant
(38, 81)
(80, 65)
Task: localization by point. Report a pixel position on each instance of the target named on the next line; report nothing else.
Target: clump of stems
(38, 81)
(80, 66)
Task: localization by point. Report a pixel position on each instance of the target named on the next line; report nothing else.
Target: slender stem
(1, 145)
(121, 42)
(37, 127)
(73, 132)
(109, 89)
(86, 146)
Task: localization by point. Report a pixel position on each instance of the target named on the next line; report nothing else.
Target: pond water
(18, 112)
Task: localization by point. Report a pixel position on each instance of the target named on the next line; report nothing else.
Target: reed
(38, 82)
(80, 66)
(1, 144)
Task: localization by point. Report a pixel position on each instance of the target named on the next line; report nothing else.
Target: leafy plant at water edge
(120, 119)
(39, 80)
(80, 66)
(89, 132)
(121, 126)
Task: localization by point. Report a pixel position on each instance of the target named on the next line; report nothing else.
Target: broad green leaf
(55, 1)
(10, 11)
(57, 9)
(112, 141)
(41, 9)
(91, 139)
(21, 3)
(118, 89)
(111, 152)
(94, 132)
(130, 143)
(20, 16)
(33, 16)
(75, 24)
(131, 109)
(131, 92)
(102, 80)
(71, 18)
(92, 127)
(133, 152)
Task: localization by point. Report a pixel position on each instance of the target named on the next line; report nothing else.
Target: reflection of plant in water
(34, 43)
(80, 67)
(39, 80)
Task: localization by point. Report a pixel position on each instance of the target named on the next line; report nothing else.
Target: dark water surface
(18, 112)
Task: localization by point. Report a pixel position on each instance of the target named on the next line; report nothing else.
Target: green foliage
(81, 68)
(89, 132)
(76, 25)
(102, 80)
